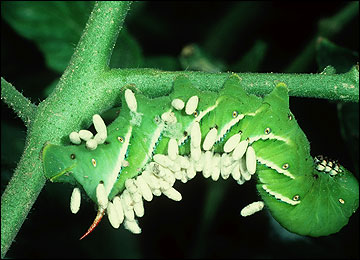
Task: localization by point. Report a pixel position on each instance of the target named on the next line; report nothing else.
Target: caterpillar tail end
(97, 220)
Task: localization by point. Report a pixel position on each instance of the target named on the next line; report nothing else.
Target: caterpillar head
(58, 165)
(316, 204)
(76, 165)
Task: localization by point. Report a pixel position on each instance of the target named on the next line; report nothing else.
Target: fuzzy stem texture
(15, 100)
(88, 87)
(91, 58)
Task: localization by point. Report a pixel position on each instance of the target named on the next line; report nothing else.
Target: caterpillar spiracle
(154, 142)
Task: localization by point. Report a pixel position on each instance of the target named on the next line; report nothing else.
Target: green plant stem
(88, 87)
(90, 59)
(327, 28)
(20, 104)
(96, 44)
(80, 86)
(341, 87)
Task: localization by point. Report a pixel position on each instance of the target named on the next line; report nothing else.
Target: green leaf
(50, 88)
(127, 52)
(329, 53)
(55, 27)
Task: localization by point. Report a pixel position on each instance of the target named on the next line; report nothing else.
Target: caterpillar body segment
(155, 142)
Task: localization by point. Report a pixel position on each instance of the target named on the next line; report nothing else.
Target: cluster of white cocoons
(91, 141)
(155, 180)
(238, 160)
(159, 176)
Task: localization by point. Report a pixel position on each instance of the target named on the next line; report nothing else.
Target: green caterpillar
(154, 142)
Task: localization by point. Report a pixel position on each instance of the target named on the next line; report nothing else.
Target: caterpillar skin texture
(307, 196)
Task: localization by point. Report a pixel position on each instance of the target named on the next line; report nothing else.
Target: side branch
(56, 117)
(20, 104)
(341, 87)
